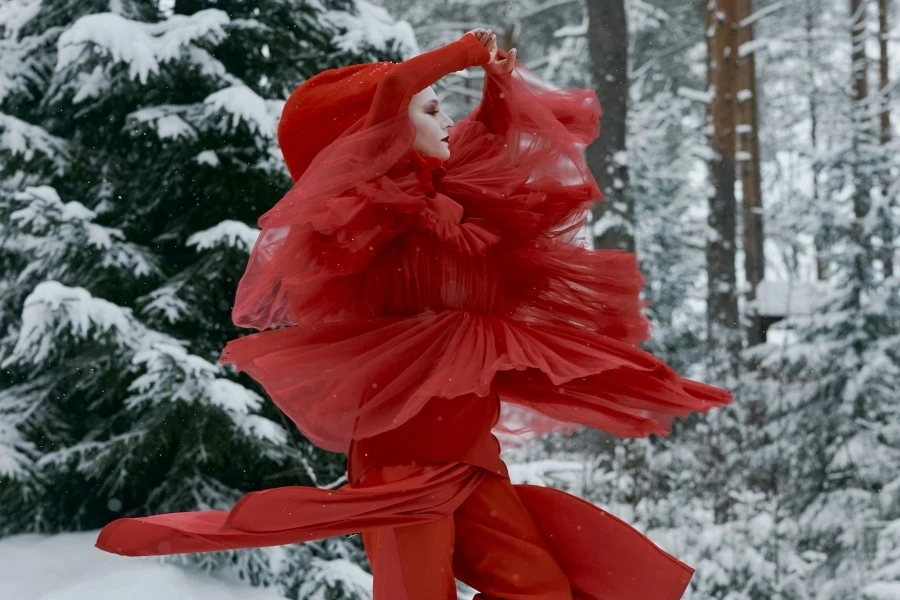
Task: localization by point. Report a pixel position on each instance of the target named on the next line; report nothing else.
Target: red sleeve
(414, 75)
(493, 111)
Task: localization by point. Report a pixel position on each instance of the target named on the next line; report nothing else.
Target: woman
(416, 275)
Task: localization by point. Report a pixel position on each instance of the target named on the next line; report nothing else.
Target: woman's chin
(440, 153)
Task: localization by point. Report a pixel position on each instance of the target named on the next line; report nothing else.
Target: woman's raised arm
(414, 75)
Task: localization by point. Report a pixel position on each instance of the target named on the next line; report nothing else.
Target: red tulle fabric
(400, 301)
(392, 279)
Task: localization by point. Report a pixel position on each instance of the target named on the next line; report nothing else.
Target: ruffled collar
(425, 163)
(428, 169)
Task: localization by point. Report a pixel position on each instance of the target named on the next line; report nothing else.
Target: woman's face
(432, 125)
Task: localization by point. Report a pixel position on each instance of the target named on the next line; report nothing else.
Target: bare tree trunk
(860, 95)
(722, 307)
(887, 229)
(613, 219)
(811, 7)
(748, 162)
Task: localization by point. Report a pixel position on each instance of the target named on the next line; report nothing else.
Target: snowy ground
(68, 567)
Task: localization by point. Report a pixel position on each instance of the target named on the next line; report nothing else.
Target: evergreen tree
(137, 144)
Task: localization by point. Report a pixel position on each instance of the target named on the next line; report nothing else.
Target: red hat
(323, 108)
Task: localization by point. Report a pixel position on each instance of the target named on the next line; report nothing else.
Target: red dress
(413, 300)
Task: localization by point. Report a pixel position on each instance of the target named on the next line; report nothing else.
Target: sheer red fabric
(401, 279)
(401, 300)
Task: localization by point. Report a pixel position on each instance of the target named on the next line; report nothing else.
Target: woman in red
(406, 291)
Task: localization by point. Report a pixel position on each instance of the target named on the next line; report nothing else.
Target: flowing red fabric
(392, 292)
(400, 280)
(603, 557)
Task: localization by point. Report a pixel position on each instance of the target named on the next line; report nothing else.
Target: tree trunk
(612, 219)
(887, 228)
(859, 73)
(811, 9)
(724, 343)
(748, 162)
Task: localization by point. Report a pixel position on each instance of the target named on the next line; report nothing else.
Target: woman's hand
(489, 40)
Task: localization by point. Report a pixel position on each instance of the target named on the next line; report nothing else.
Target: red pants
(490, 543)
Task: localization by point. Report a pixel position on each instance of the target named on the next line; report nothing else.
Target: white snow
(53, 307)
(21, 138)
(752, 47)
(15, 15)
(548, 472)
(91, 85)
(174, 127)
(169, 373)
(325, 574)
(704, 96)
(68, 567)
(143, 46)
(372, 26)
(573, 30)
(58, 227)
(782, 298)
(14, 450)
(207, 157)
(243, 104)
(229, 233)
(888, 590)
(166, 120)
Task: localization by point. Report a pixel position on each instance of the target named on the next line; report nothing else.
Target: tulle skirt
(345, 381)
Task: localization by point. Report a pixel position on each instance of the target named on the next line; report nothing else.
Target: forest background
(748, 155)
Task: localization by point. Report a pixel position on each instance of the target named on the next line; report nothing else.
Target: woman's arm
(412, 76)
(493, 110)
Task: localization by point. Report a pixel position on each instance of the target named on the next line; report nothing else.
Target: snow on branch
(53, 310)
(142, 46)
(58, 230)
(371, 27)
(783, 298)
(166, 121)
(15, 15)
(236, 103)
(703, 96)
(763, 12)
(168, 372)
(171, 374)
(229, 234)
(24, 139)
(243, 104)
(14, 449)
(554, 473)
(326, 577)
(753, 46)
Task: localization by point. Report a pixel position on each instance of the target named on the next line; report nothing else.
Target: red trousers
(490, 543)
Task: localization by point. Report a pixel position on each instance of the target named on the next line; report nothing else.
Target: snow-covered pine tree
(821, 437)
(137, 142)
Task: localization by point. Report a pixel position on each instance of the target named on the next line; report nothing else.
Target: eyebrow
(431, 104)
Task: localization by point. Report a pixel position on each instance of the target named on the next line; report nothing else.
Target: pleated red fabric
(401, 279)
(401, 300)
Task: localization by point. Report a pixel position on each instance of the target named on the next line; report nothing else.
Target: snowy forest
(748, 155)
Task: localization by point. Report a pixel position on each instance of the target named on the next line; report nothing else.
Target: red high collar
(428, 169)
